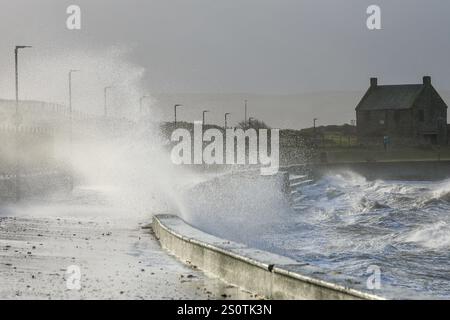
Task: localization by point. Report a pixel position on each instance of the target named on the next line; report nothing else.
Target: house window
(421, 116)
(382, 122)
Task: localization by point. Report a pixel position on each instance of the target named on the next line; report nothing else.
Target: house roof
(392, 97)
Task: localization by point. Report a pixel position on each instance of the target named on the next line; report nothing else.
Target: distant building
(408, 114)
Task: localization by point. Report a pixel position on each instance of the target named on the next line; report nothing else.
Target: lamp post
(16, 53)
(71, 120)
(17, 120)
(226, 115)
(175, 111)
(105, 90)
(140, 103)
(70, 91)
(203, 116)
(245, 112)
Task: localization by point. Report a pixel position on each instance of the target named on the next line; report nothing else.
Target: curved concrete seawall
(263, 273)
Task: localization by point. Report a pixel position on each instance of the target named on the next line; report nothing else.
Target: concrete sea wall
(269, 275)
(386, 170)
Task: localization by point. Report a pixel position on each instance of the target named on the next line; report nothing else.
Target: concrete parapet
(260, 272)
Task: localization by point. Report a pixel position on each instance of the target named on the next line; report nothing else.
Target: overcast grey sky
(256, 46)
(249, 45)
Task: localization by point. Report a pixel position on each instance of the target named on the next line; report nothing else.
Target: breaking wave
(343, 224)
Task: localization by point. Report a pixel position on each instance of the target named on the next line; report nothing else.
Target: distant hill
(345, 129)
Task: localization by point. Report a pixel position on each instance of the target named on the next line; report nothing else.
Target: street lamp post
(16, 52)
(70, 91)
(226, 126)
(245, 112)
(71, 121)
(17, 120)
(175, 111)
(105, 98)
(203, 116)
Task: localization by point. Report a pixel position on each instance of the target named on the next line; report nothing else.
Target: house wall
(406, 126)
(373, 125)
(434, 111)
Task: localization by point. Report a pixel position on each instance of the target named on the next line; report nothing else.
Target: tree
(253, 123)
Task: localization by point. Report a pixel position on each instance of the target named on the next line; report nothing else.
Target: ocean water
(346, 223)
(343, 224)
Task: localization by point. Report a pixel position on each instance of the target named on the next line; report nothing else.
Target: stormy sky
(243, 46)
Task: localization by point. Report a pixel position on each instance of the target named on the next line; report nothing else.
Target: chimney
(427, 80)
(373, 82)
